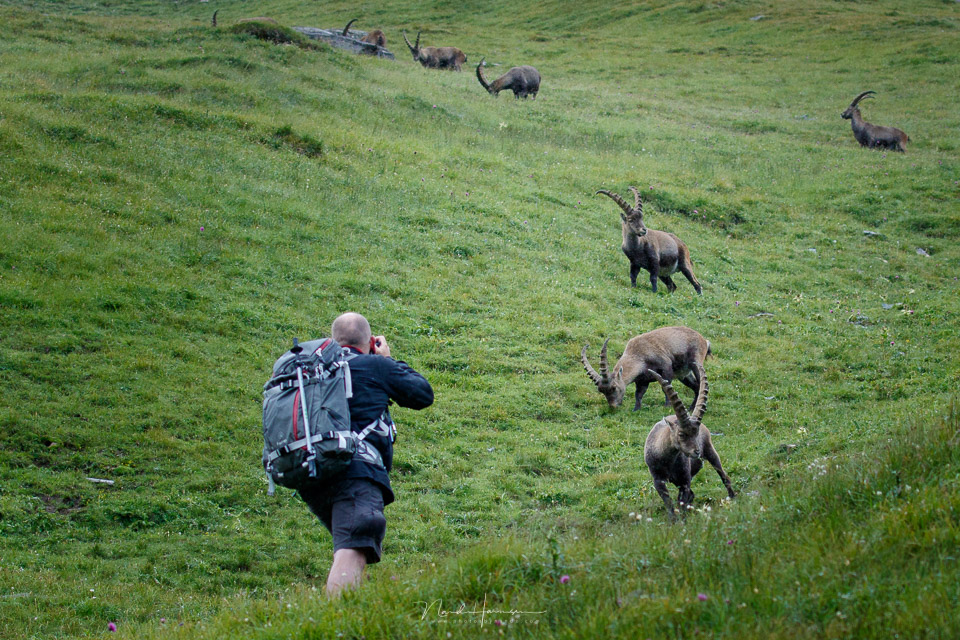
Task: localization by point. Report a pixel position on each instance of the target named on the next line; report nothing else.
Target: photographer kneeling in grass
(351, 507)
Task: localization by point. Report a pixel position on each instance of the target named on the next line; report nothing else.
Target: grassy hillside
(178, 201)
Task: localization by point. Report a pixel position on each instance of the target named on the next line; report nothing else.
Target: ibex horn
(346, 29)
(702, 394)
(586, 365)
(860, 97)
(483, 82)
(637, 205)
(417, 44)
(604, 375)
(213, 20)
(675, 400)
(409, 46)
(620, 201)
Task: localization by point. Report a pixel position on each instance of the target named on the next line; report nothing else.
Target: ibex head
(631, 216)
(846, 115)
(686, 427)
(611, 387)
(414, 48)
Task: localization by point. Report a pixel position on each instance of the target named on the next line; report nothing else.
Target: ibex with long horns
(436, 57)
(523, 81)
(659, 252)
(871, 135)
(677, 446)
(373, 37)
(670, 352)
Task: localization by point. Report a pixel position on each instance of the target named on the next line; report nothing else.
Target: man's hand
(381, 348)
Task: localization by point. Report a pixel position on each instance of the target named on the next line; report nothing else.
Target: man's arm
(405, 386)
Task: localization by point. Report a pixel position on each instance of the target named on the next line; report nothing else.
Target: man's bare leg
(347, 570)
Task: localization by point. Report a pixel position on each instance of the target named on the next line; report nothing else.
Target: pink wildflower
(112, 627)
(702, 597)
(498, 622)
(564, 579)
(201, 228)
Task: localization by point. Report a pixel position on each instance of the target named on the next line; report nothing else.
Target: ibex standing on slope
(436, 57)
(677, 446)
(659, 252)
(871, 135)
(523, 81)
(670, 352)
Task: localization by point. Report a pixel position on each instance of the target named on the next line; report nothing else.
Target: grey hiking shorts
(352, 511)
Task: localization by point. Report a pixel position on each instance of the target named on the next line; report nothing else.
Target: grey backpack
(306, 420)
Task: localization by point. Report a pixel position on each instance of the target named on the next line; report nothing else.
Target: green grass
(177, 202)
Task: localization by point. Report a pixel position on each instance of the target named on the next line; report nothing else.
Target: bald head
(351, 329)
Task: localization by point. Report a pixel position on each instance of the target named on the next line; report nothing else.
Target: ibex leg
(667, 280)
(686, 268)
(685, 497)
(710, 455)
(661, 488)
(638, 395)
(634, 272)
(690, 380)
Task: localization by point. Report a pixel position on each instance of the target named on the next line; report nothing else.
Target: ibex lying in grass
(659, 252)
(677, 446)
(523, 81)
(436, 57)
(373, 37)
(871, 135)
(670, 352)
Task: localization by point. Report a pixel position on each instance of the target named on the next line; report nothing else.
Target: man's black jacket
(376, 381)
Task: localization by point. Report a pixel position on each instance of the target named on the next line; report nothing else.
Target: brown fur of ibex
(871, 135)
(670, 352)
(436, 57)
(523, 81)
(373, 37)
(677, 446)
(659, 252)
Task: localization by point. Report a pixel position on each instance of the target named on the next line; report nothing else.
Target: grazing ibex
(373, 37)
(659, 252)
(670, 352)
(677, 446)
(436, 57)
(523, 81)
(871, 135)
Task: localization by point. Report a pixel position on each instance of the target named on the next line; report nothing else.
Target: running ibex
(523, 81)
(659, 252)
(677, 446)
(436, 57)
(670, 352)
(373, 37)
(871, 135)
